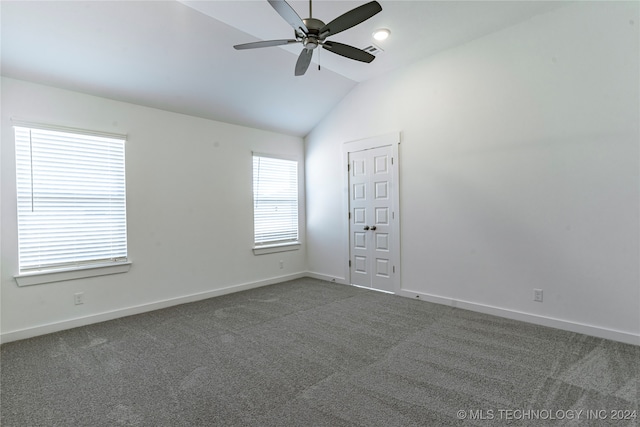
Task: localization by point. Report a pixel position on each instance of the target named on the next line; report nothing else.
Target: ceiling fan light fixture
(381, 34)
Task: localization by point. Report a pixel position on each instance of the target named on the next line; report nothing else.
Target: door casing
(393, 140)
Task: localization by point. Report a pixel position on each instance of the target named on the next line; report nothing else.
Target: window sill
(280, 247)
(40, 277)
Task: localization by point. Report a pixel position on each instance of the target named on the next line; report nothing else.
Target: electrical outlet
(537, 295)
(281, 264)
(78, 298)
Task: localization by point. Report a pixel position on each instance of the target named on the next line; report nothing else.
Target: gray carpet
(312, 353)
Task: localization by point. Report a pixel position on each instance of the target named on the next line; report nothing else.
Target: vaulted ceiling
(179, 56)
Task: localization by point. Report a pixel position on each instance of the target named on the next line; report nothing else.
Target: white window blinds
(71, 199)
(275, 200)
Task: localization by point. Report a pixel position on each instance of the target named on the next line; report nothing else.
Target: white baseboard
(596, 331)
(327, 278)
(143, 308)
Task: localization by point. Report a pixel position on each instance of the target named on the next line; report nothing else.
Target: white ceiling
(179, 56)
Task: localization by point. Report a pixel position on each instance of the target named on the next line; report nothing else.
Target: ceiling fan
(313, 32)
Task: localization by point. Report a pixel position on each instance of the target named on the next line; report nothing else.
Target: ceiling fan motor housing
(312, 39)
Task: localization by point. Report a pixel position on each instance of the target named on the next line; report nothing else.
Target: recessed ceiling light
(381, 34)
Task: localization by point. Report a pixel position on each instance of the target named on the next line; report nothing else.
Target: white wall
(189, 206)
(519, 169)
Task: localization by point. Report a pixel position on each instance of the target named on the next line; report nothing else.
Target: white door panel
(371, 208)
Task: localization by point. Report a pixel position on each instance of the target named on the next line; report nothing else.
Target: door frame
(389, 139)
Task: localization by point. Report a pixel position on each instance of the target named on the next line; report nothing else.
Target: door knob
(373, 227)
(366, 227)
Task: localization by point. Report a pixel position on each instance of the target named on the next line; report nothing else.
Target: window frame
(275, 245)
(81, 269)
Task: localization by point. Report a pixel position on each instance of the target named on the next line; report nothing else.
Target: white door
(371, 210)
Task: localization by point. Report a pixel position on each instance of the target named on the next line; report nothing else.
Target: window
(71, 200)
(275, 203)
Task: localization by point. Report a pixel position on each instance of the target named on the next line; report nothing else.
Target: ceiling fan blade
(303, 61)
(265, 43)
(286, 11)
(348, 51)
(350, 19)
